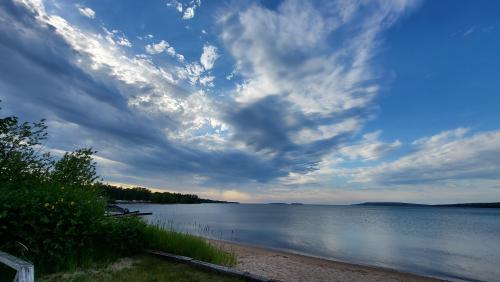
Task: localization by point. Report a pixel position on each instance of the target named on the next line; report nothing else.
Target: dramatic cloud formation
(274, 104)
(295, 105)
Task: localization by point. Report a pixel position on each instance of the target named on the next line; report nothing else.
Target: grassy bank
(137, 269)
(187, 245)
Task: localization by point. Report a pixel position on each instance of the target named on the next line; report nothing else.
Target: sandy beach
(284, 266)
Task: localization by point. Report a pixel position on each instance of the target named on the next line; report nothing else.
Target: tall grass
(187, 245)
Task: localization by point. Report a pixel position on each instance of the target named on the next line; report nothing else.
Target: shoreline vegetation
(143, 195)
(53, 210)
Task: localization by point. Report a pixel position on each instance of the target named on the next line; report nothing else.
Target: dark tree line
(114, 193)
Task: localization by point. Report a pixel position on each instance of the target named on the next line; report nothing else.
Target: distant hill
(472, 205)
(464, 205)
(391, 204)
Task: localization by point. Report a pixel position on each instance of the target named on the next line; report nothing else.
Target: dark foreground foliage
(52, 212)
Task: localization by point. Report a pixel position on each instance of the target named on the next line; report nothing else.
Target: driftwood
(25, 270)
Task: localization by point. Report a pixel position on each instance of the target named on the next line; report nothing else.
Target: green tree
(76, 168)
(21, 155)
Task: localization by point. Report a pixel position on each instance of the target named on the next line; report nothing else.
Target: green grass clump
(141, 269)
(187, 245)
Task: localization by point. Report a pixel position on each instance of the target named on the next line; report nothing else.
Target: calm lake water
(451, 243)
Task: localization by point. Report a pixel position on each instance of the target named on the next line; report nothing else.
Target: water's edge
(328, 259)
(457, 244)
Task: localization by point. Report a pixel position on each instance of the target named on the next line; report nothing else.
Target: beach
(285, 266)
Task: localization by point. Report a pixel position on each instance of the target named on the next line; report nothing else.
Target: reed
(187, 245)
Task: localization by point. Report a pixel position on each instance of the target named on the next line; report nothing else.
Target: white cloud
(441, 138)
(287, 53)
(187, 10)
(191, 72)
(370, 148)
(157, 48)
(208, 56)
(164, 46)
(123, 41)
(448, 156)
(101, 57)
(207, 80)
(188, 13)
(322, 132)
(180, 58)
(171, 51)
(147, 36)
(116, 37)
(86, 11)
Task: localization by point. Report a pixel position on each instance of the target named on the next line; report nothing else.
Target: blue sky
(265, 101)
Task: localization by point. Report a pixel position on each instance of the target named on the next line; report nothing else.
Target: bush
(124, 236)
(48, 224)
(64, 227)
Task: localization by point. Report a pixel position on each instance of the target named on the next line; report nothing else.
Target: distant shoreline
(131, 202)
(493, 205)
(287, 266)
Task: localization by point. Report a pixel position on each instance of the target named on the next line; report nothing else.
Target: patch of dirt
(122, 263)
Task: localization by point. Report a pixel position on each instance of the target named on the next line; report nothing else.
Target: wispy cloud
(301, 98)
(86, 11)
(370, 148)
(469, 31)
(448, 156)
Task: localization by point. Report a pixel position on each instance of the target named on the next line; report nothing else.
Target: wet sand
(284, 266)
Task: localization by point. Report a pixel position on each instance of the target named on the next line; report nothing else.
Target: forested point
(114, 193)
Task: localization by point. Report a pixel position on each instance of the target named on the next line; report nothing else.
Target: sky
(323, 102)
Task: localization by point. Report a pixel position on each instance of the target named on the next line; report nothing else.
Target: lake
(450, 243)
